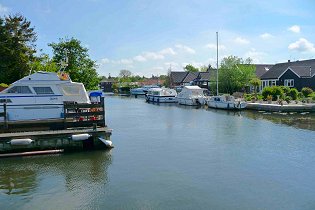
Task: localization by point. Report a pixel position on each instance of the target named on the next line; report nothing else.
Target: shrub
(248, 97)
(293, 93)
(277, 91)
(266, 92)
(306, 91)
(4, 85)
(260, 97)
(285, 89)
(288, 99)
(269, 97)
(313, 96)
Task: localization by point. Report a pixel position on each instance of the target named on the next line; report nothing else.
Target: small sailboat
(224, 101)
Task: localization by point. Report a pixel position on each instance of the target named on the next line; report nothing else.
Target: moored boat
(41, 96)
(161, 95)
(225, 102)
(142, 90)
(191, 96)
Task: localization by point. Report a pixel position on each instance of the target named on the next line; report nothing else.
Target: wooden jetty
(57, 134)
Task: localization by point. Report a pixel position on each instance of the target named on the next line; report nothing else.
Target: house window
(20, 89)
(289, 82)
(43, 90)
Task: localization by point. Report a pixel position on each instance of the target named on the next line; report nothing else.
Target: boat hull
(161, 99)
(226, 105)
(191, 101)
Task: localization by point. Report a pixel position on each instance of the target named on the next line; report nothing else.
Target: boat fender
(80, 137)
(18, 142)
(107, 143)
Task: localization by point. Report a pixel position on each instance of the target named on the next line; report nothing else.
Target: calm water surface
(173, 157)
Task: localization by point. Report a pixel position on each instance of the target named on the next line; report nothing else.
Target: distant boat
(191, 96)
(142, 90)
(161, 95)
(225, 102)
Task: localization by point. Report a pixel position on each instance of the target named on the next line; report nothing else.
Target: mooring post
(5, 117)
(103, 105)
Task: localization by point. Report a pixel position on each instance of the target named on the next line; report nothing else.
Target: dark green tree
(79, 65)
(17, 47)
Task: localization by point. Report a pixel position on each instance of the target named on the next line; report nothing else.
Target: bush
(273, 91)
(248, 97)
(285, 89)
(277, 91)
(306, 91)
(269, 97)
(293, 93)
(266, 92)
(260, 97)
(313, 96)
(4, 85)
(288, 99)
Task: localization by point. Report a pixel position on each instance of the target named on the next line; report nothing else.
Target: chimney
(289, 61)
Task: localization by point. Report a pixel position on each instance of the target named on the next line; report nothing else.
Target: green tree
(255, 82)
(44, 63)
(79, 65)
(17, 47)
(191, 68)
(235, 74)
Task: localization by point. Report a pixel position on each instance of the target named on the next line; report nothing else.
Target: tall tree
(79, 65)
(235, 74)
(17, 47)
(125, 73)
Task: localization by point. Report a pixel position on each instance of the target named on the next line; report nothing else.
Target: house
(106, 85)
(297, 74)
(183, 78)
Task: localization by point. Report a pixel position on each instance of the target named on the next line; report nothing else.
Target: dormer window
(43, 90)
(20, 89)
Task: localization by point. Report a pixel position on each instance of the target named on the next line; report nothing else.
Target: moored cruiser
(161, 95)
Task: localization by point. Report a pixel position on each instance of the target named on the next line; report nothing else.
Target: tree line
(19, 56)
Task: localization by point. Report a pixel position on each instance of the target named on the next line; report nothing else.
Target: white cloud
(185, 49)
(3, 10)
(240, 40)
(139, 58)
(295, 29)
(105, 61)
(255, 55)
(167, 51)
(126, 61)
(302, 45)
(152, 56)
(266, 36)
(214, 46)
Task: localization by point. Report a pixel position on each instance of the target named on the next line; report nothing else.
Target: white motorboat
(161, 95)
(142, 90)
(41, 96)
(225, 102)
(192, 96)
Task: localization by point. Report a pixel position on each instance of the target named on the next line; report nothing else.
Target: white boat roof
(155, 89)
(47, 76)
(193, 87)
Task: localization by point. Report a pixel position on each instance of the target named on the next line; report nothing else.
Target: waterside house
(183, 78)
(297, 74)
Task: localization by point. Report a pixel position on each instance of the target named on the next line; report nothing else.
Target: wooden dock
(56, 134)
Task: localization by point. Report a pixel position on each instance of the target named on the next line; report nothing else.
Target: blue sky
(147, 36)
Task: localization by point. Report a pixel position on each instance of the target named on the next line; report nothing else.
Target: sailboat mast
(217, 63)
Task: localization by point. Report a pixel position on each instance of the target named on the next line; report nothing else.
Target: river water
(175, 157)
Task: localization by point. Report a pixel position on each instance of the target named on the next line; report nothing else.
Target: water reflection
(22, 177)
(297, 120)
